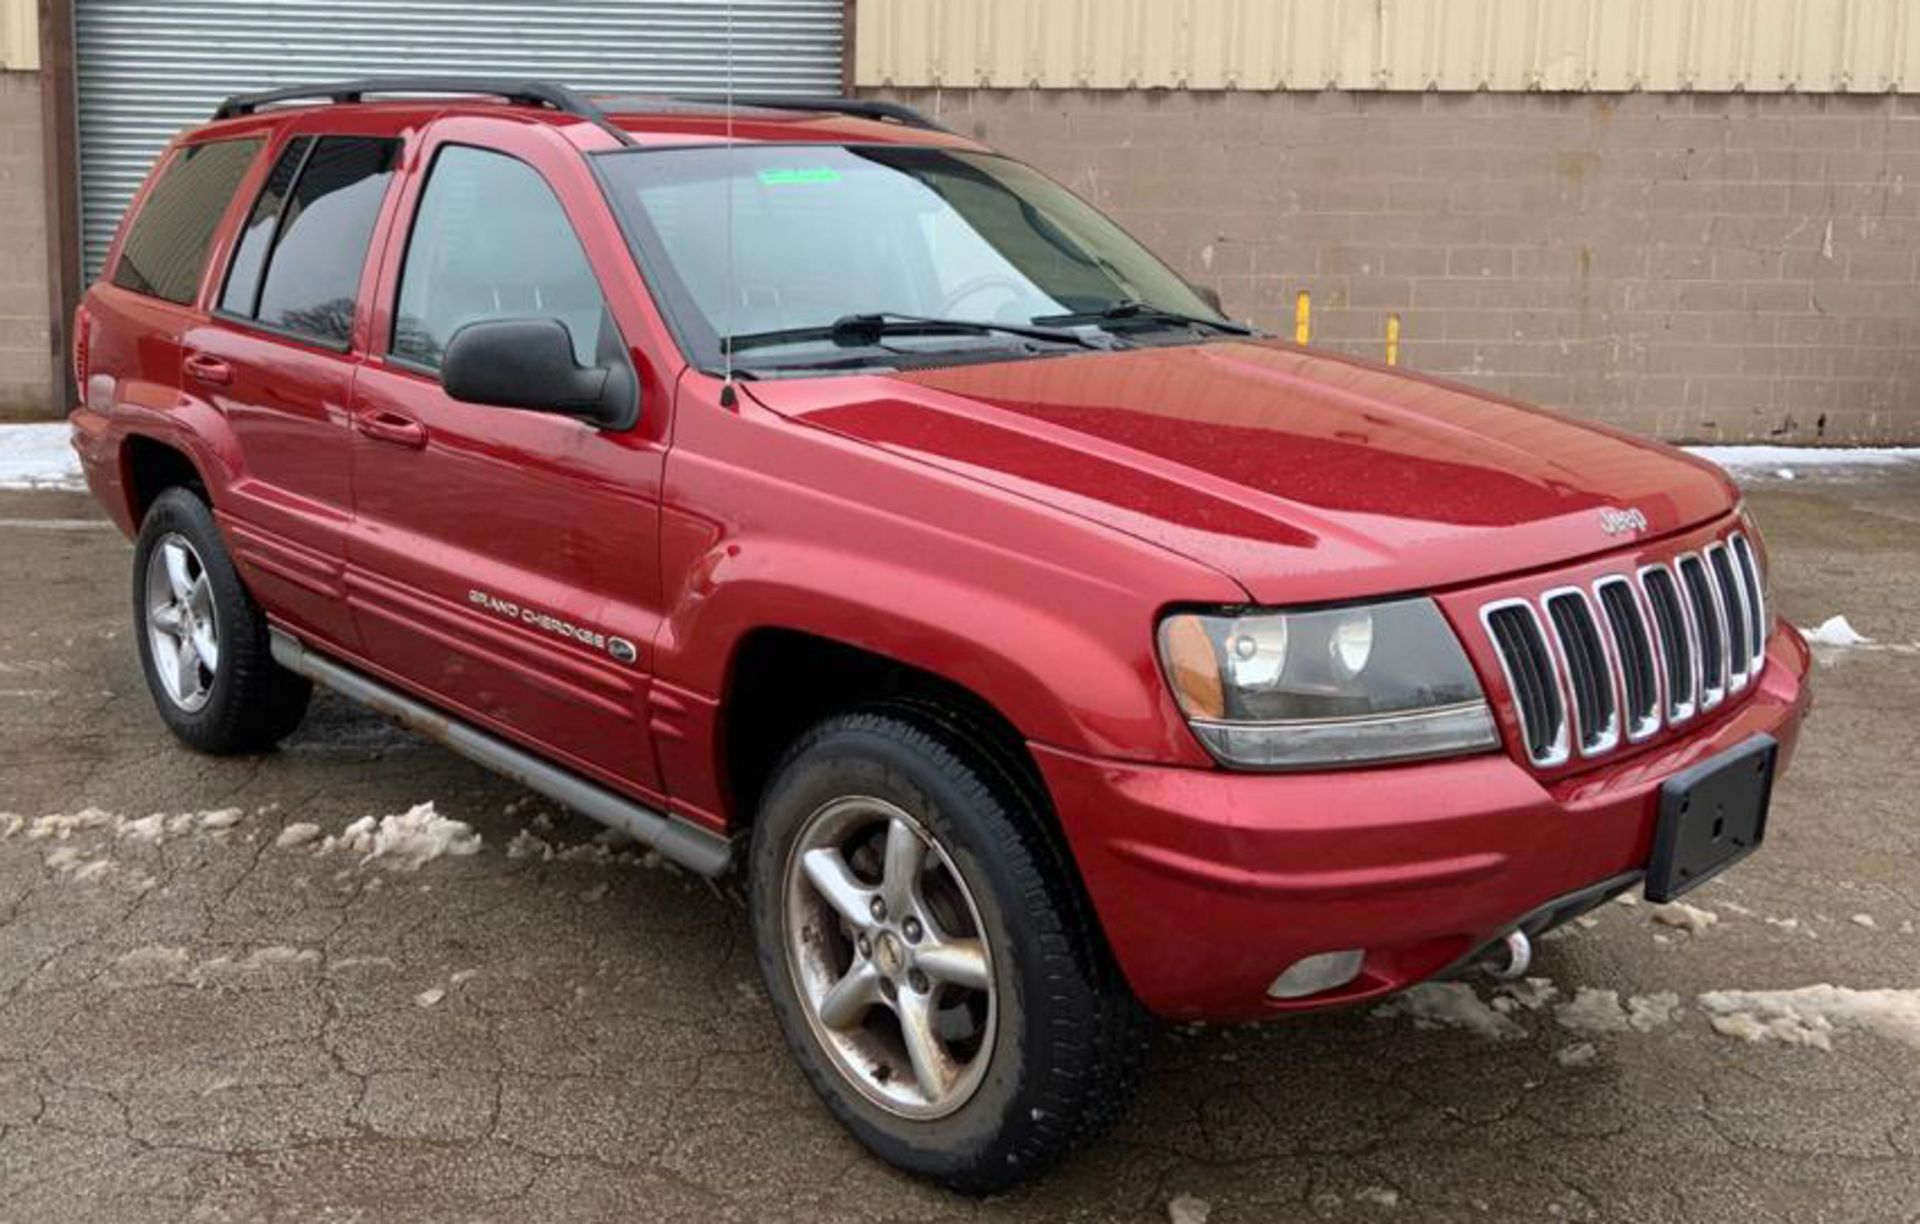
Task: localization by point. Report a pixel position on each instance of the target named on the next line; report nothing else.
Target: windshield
(823, 232)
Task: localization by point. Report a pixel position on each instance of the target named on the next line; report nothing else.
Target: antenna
(728, 396)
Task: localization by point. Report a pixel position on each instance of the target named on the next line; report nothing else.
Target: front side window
(766, 241)
(491, 241)
(298, 263)
(166, 248)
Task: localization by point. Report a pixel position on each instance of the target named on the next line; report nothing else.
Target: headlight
(1296, 690)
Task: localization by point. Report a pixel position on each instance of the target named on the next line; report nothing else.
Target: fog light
(1312, 974)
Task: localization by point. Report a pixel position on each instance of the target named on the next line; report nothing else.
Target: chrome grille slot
(1676, 642)
(1733, 604)
(1532, 678)
(1757, 623)
(1589, 672)
(1633, 648)
(1709, 633)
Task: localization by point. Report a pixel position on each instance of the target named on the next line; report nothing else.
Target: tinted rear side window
(242, 294)
(312, 225)
(167, 246)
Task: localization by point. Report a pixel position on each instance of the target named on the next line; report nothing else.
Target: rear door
(504, 562)
(277, 356)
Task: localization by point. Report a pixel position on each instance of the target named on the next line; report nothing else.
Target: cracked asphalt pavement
(197, 1023)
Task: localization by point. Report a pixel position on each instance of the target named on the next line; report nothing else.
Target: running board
(698, 850)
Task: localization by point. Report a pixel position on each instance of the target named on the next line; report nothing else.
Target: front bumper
(1209, 883)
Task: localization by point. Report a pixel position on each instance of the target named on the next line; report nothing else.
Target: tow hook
(1519, 956)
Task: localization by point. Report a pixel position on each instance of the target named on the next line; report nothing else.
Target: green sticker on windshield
(799, 174)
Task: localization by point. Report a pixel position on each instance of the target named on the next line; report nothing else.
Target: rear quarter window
(166, 247)
(297, 266)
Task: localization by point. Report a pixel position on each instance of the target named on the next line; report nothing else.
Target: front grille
(1633, 653)
(1710, 632)
(1676, 641)
(1590, 676)
(1743, 556)
(1733, 607)
(1532, 677)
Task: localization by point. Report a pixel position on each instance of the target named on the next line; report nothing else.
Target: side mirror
(529, 363)
(1211, 297)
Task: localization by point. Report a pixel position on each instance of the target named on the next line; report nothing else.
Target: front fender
(1076, 680)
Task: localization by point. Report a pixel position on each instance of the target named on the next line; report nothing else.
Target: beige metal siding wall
(19, 35)
(1755, 46)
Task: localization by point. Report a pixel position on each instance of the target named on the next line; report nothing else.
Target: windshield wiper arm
(857, 330)
(1128, 308)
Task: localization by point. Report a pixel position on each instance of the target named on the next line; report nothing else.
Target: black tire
(1070, 1043)
(251, 702)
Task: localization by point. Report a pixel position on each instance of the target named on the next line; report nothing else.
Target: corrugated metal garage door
(147, 68)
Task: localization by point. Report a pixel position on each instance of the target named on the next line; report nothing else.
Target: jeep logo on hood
(1614, 521)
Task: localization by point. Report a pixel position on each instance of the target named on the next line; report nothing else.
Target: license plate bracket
(1711, 816)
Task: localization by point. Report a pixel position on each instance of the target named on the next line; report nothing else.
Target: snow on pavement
(1835, 631)
(408, 841)
(1434, 1005)
(1808, 1016)
(38, 456)
(1811, 1015)
(1681, 916)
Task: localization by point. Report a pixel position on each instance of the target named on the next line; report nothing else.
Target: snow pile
(1600, 1011)
(1811, 1015)
(1378, 1196)
(63, 826)
(1530, 995)
(526, 845)
(299, 833)
(1689, 918)
(408, 841)
(1835, 632)
(1579, 1055)
(1186, 1209)
(38, 456)
(609, 846)
(1435, 1005)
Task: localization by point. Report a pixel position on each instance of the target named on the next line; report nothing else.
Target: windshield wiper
(863, 330)
(1129, 309)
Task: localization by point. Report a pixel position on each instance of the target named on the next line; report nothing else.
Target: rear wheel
(939, 981)
(203, 641)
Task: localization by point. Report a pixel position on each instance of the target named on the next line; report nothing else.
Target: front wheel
(938, 979)
(203, 641)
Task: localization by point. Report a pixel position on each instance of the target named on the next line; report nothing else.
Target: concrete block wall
(25, 362)
(1699, 267)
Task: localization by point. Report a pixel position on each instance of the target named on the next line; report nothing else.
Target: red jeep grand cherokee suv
(813, 491)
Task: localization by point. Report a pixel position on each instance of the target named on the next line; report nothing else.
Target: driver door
(504, 563)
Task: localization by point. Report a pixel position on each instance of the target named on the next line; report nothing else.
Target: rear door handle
(391, 427)
(209, 369)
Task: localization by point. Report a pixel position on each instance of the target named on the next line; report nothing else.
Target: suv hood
(1305, 476)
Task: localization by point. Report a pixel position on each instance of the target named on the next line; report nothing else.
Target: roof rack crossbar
(528, 93)
(862, 108)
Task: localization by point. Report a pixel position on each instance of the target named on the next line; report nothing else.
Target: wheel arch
(781, 681)
(149, 466)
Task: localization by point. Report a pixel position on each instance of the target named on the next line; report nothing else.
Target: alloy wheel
(183, 629)
(889, 957)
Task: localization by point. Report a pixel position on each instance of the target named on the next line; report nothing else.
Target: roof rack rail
(860, 108)
(528, 93)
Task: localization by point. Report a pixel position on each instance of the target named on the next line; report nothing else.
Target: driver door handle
(392, 428)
